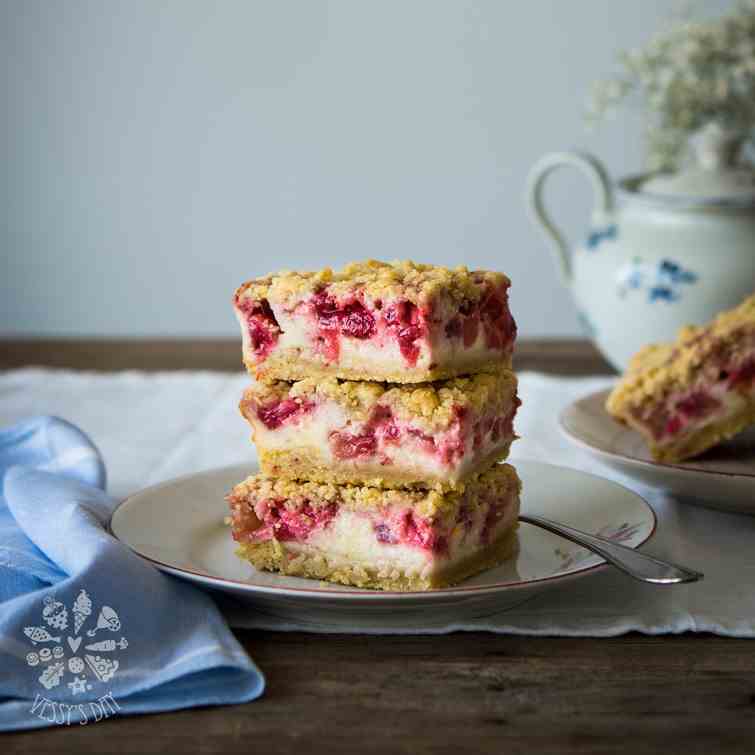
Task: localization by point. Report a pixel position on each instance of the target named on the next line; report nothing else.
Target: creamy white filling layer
(314, 430)
(299, 333)
(246, 341)
(310, 430)
(350, 540)
(447, 350)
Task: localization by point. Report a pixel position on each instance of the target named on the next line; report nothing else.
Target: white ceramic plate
(722, 478)
(179, 526)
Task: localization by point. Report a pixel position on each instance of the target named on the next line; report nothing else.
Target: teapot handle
(594, 170)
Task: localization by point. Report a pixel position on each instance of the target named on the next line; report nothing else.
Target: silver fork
(631, 562)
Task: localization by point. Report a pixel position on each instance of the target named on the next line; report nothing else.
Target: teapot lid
(715, 180)
(734, 184)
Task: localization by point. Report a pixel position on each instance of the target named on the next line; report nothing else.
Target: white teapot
(679, 249)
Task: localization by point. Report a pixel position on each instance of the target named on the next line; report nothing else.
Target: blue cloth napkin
(89, 630)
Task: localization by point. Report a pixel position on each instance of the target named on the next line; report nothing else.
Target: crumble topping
(437, 403)
(498, 481)
(414, 282)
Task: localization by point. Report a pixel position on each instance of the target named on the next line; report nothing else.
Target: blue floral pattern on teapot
(595, 237)
(663, 281)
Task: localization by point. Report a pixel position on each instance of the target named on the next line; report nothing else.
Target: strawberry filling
(277, 521)
(351, 319)
(326, 314)
(271, 519)
(695, 406)
(365, 443)
(407, 528)
(495, 513)
(672, 419)
(497, 322)
(404, 321)
(492, 314)
(349, 446)
(744, 374)
(261, 325)
(384, 534)
(357, 322)
(494, 427)
(426, 442)
(275, 414)
(449, 446)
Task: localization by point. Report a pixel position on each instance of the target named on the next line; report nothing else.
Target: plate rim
(633, 460)
(366, 595)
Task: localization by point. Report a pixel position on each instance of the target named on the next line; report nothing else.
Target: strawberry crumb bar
(373, 537)
(688, 396)
(400, 322)
(428, 434)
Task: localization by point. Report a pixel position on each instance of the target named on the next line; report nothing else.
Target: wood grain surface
(567, 357)
(459, 693)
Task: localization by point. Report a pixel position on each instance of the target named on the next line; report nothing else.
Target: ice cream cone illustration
(82, 608)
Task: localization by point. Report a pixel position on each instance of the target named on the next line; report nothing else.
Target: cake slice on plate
(390, 539)
(688, 396)
(400, 322)
(428, 434)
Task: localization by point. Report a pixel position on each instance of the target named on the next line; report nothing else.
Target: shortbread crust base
(308, 464)
(289, 365)
(273, 555)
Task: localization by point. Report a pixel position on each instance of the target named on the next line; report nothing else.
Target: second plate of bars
(722, 478)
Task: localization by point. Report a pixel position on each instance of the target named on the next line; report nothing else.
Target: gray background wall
(156, 154)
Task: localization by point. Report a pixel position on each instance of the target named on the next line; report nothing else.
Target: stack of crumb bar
(381, 404)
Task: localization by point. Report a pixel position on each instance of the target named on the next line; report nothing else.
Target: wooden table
(461, 693)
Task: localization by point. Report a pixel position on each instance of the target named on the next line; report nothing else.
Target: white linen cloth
(151, 427)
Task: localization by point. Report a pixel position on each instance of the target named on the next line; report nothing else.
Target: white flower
(686, 76)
